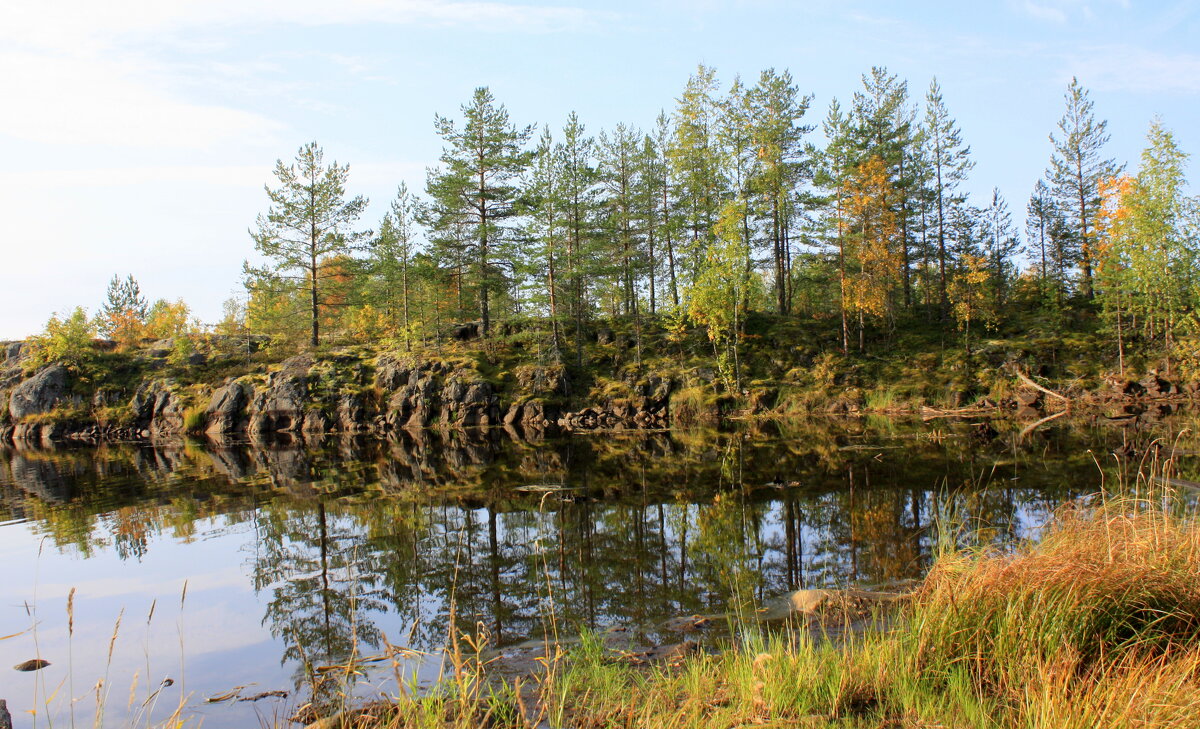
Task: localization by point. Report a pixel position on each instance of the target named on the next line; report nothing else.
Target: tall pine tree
(950, 162)
(474, 193)
(1076, 169)
(309, 221)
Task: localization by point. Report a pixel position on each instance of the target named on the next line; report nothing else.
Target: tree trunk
(904, 240)
(553, 302)
(484, 283)
(1084, 249)
(944, 298)
(314, 301)
(404, 286)
(666, 212)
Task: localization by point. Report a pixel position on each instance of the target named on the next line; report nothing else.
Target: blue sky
(135, 136)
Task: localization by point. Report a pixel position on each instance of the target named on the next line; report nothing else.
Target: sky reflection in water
(294, 553)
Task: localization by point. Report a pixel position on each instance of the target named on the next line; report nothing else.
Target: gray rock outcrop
(40, 393)
(226, 409)
(648, 407)
(428, 392)
(279, 407)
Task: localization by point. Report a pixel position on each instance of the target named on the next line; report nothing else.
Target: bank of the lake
(627, 377)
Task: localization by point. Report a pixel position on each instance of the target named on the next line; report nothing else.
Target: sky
(136, 135)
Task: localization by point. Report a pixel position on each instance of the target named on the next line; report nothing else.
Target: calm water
(294, 553)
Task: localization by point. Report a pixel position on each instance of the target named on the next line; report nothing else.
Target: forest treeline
(737, 200)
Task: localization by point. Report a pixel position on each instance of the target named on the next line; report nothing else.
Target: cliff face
(307, 394)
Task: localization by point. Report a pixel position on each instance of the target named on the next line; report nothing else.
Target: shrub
(66, 340)
(181, 349)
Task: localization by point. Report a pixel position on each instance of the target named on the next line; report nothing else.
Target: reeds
(1107, 600)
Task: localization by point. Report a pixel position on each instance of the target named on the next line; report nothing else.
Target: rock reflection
(349, 538)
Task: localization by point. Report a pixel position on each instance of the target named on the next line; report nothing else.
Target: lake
(256, 564)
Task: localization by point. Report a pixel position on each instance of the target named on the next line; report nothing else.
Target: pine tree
(697, 163)
(474, 194)
(123, 316)
(1076, 168)
(884, 126)
(647, 211)
(659, 176)
(391, 263)
(836, 164)
(1001, 244)
(548, 225)
(309, 220)
(776, 110)
(581, 200)
(1039, 217)
(618, 175)
(735, 137)
(949, 162)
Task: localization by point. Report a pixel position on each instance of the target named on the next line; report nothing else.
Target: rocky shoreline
(312, 395)
(349, 393)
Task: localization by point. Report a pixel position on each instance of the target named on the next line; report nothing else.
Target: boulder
(426, 392)
(763, 399)
(467, 403)
(143, 402)
(225, 409)
(161, 348)
(468, 331)
(156, 408)
(168, 413)
(316, 422)
(825, 604)
(351, 413)
(547, 380)
(40, 393)
(279, 407)
(1156, 387)
(104, 397)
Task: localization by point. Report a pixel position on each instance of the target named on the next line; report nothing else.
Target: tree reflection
(321, 598)
(352, 538)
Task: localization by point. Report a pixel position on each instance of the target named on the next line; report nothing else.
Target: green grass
(882, 399)
(194, 420)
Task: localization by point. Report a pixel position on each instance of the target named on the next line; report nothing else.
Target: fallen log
(1025, 378)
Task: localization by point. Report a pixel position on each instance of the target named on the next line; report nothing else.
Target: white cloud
(72, 24)
(231, 175)
(1060, 11)
(1045, 12)
(1136, 70)
(84, 72)
(80, 100)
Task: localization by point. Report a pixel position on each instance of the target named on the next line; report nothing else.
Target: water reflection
(344, 541)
